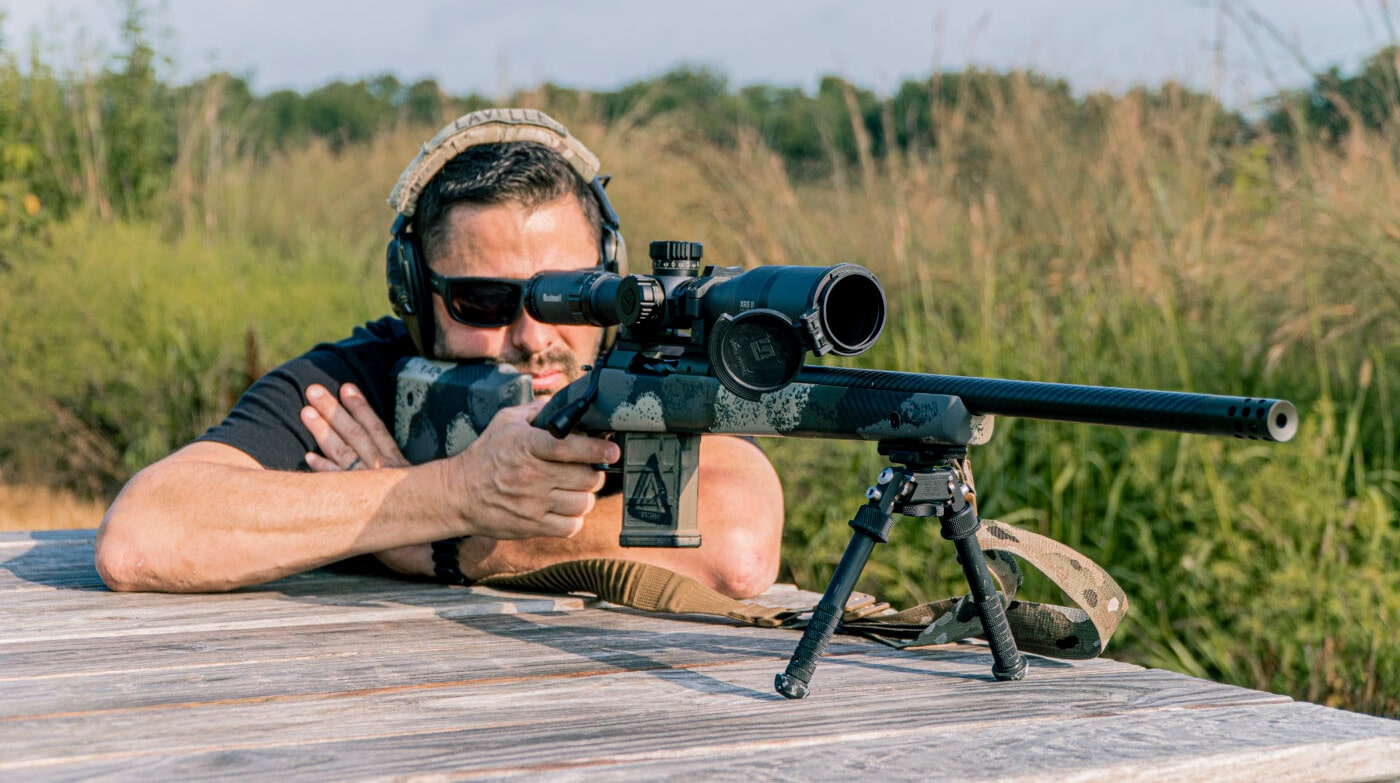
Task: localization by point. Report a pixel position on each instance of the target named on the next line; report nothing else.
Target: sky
(1240, 50)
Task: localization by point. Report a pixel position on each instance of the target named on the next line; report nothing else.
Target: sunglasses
(486, 302)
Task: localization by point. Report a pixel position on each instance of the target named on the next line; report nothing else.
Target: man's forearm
(210, 518)
(191, 525)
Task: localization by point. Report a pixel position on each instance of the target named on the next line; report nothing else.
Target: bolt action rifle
(722, 351)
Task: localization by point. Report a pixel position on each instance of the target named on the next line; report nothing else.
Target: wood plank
(24, 538)
(425, 653)
(547, 639)
(539, 716)
(1265, 743)
(325, 676)
(151, 614)
(220, 647)
(47, 559)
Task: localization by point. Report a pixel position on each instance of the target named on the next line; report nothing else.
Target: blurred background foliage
(162, 245)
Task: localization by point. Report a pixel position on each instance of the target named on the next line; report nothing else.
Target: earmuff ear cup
(613, 258)
(614, 251)
(408, 295)
(399, 296)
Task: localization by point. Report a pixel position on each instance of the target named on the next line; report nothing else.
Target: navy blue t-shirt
(266, 422)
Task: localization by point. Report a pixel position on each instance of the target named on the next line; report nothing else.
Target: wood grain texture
(533, 719)
(47, 560)
(331, 677)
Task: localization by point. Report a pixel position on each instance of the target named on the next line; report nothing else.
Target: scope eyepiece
(573, 297)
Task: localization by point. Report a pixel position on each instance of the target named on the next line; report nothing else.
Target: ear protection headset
(409, 293)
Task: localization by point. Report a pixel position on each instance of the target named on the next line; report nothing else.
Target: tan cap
(487, 126)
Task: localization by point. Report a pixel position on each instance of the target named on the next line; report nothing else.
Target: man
(303, 472)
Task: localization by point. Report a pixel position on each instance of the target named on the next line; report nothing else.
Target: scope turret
(668, 255)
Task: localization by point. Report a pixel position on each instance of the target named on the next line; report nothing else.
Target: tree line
(110, 140)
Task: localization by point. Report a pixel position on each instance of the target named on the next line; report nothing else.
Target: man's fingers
(576, 478)
(574, 448)
(529, 410)
(352, 433)
(332, 445)
(320, 464)
(561, 526)
(571, 503)
(354, 400)
(340, 419)
(532, 483)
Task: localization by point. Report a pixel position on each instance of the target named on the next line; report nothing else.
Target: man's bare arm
(210, 518)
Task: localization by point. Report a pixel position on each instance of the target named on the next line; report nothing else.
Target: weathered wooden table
(333, 676)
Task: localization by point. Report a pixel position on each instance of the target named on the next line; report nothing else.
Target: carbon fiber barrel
(1209, 414)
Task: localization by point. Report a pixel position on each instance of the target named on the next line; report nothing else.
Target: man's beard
(562, 360)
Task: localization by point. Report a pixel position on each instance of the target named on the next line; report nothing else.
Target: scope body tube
(1210, 414)
(847, 299)
(844, 303)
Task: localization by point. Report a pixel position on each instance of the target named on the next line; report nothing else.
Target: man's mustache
(536, 364)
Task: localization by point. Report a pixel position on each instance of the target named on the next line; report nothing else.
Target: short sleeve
(266, 422)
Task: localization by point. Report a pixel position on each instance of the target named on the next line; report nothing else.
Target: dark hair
(519, 172)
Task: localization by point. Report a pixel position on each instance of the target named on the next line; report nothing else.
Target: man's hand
(521, 482)
(514, 481)
(352, 436)
(348, 432)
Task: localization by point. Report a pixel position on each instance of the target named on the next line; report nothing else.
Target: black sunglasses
(486, 302)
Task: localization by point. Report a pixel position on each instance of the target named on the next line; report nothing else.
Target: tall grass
(1019, 243)
(1132, 254)
(43, 508)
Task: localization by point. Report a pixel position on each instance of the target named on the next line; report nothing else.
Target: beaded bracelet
(445, 564)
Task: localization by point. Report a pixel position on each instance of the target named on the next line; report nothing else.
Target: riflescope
(755, 326)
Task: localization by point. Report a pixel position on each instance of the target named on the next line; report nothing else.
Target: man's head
(522, 173)
(498, 195)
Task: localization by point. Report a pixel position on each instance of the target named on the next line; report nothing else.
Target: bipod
(926, 481)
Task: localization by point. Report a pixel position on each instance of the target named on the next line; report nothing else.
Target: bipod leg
(960, 523)
(872, 525)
